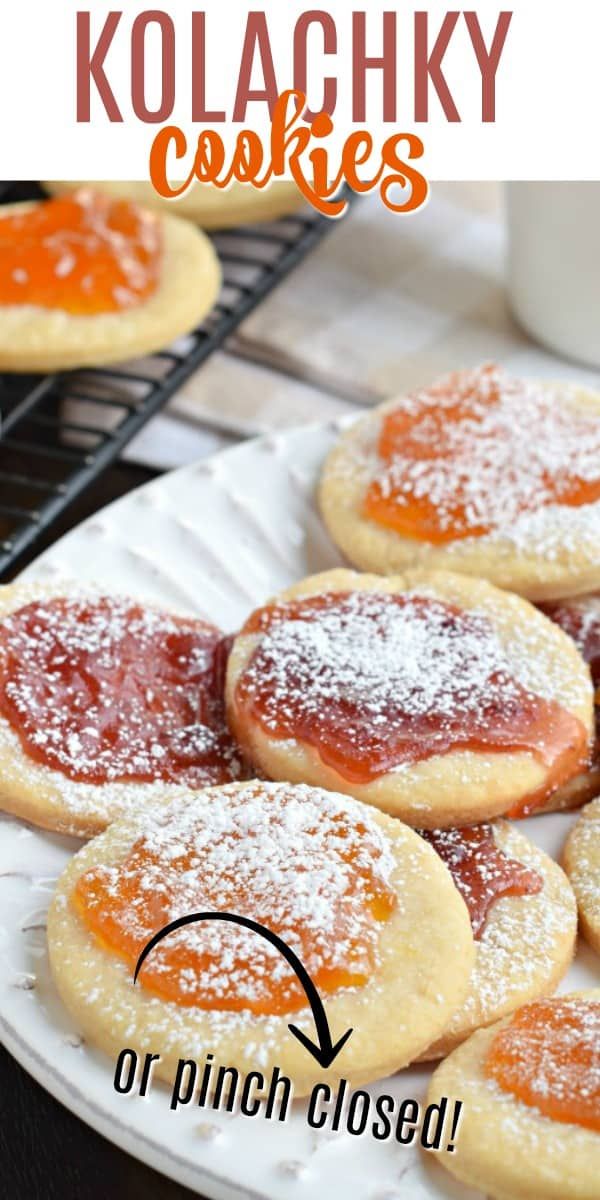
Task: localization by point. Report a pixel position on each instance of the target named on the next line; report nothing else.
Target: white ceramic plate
(214, 539)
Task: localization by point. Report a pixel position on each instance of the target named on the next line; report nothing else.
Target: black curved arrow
(323, 1050)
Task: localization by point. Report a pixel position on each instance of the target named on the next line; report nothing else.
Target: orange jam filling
(548, 1056)
(482, 872)
(306, 869)
(105, 690)
(475, 452)
(84, 254)
(375, 681)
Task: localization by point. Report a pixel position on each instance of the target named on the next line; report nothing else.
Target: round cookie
(527, 940)
(335, 879)
(580, 618)
(78, 751)
(210, 207)
(312, 700)
(511, 1149)
(479, 473)
(40, 338)
(581, 860)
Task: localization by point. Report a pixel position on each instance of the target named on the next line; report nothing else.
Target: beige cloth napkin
(228, 398)
(388, 302)
(383, 303)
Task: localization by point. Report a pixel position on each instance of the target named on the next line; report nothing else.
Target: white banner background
(547, 93)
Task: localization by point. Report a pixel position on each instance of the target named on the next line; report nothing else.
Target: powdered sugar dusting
(99, 254)
(555, 531)
(584, 863)
(481, 871)
(518, 944)
(515, 448)
(580, 618)
(305, 863)
(402, 676)
(509, 1144)
(551, 1050)
(524, 945)
(108, 690)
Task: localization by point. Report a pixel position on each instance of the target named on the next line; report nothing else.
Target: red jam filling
(482, 872)
(475, 452)
(581, 620)
(84, 254)
(105, 690)
(548, 1056)
(375, 681)
(298, 863)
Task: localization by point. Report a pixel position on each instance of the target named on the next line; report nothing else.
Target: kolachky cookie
(368, 908)
(581, 860)
(478, 473)
(580, 618)
(524, 921)
(530, 1090)
(209, 206)
(438, 698)
(105, 702)
(87, 280)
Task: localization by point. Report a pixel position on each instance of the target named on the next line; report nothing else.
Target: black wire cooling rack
(48, 459)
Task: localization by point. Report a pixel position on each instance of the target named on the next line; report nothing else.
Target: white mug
(554, 265)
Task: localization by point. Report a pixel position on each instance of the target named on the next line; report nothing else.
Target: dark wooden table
(46, 1153)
